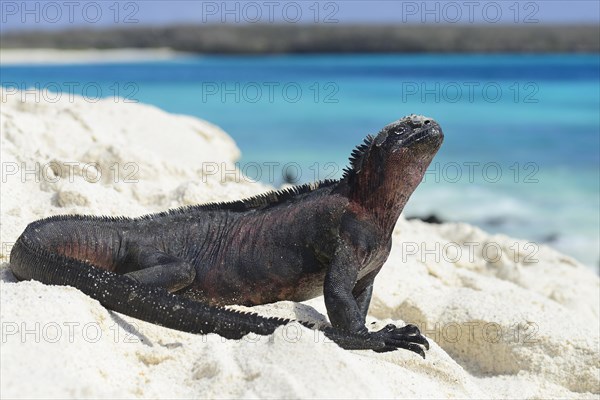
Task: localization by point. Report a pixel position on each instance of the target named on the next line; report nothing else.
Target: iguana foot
(159, 269)
(408, 337)
(387, 339)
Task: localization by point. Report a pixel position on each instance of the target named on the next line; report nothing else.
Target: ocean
(522, 132)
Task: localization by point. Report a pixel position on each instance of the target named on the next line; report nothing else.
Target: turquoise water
(521, 154)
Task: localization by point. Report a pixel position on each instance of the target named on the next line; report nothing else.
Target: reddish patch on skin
(101, 260)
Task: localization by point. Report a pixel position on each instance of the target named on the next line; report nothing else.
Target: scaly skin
(178, 268)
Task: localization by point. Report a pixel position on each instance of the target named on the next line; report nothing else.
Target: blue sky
(48, 14)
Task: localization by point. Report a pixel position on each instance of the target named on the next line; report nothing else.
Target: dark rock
(431, 219)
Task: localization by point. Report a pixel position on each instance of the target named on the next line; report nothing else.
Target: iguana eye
(400, 130)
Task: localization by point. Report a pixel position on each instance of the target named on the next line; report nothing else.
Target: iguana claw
(408, 337)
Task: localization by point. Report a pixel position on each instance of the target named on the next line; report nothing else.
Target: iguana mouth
(417, 136)
(429, 128)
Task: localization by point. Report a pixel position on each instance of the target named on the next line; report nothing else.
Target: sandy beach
(55, 56)
(504, 320)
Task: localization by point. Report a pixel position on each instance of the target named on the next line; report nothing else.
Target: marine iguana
(178, 268)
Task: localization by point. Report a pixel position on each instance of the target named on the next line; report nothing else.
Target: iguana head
(387, 168)
(411, 130)
(408, 145)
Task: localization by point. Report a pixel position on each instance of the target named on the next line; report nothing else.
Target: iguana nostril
(427, 122)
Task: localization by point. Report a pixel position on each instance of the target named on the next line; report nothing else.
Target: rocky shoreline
(313, 38)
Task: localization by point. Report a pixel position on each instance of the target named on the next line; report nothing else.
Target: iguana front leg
(346, 314)
(342, 308)
(363, 299)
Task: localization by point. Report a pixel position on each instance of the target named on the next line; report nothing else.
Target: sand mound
(507, 318)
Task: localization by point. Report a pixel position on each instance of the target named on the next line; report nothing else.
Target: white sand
(55, 56)
(59, 343)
